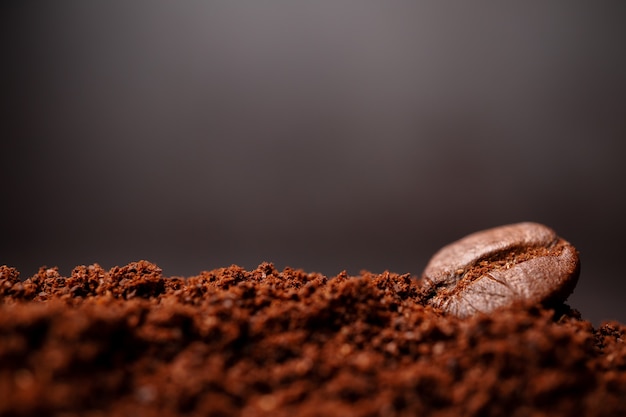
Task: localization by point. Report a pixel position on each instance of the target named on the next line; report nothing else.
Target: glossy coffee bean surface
(519, 264)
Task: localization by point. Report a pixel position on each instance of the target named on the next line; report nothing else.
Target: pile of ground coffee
(265, 342)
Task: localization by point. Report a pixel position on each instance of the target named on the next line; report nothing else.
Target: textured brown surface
(234, 342)
(523, 263)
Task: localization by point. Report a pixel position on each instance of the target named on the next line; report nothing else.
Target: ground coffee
(231, 342)
(524, 263)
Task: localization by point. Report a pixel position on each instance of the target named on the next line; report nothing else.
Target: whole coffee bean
(518, 264)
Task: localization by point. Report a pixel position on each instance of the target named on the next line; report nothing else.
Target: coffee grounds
(130, 341)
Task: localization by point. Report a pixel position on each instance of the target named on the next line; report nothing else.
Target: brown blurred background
(324, 136)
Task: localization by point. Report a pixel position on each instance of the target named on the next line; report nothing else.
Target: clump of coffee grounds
(231, 342)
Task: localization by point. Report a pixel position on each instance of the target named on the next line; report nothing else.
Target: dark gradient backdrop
(324, 136)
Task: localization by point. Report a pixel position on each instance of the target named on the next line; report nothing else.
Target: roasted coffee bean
(518, 264)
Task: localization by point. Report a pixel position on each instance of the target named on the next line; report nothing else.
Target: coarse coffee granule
(229, 342)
